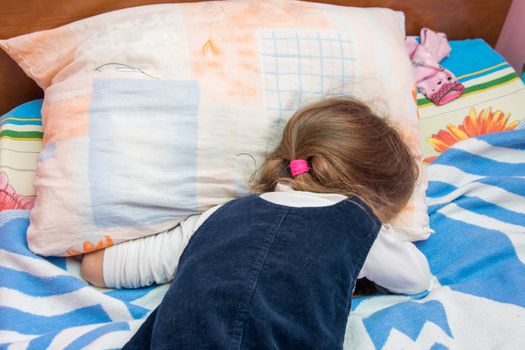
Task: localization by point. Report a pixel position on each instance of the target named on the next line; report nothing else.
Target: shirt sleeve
(152, 259)
(396, 265)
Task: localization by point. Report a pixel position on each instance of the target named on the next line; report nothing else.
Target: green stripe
(24, 116)
(477, 87)
(22, 134)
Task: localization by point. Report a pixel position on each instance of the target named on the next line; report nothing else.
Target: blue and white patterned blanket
(476, 201)
(45, 304)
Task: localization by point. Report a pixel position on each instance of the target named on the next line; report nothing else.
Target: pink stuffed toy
(437, 83)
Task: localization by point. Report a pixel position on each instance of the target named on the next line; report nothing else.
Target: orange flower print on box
(485, 122)
(9, 199)
(89, 247)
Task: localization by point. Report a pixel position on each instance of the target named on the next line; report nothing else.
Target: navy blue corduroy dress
(259, 275)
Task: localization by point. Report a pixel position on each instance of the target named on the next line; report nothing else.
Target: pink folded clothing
(435, 82)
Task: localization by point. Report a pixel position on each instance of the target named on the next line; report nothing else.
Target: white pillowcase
(154, 113)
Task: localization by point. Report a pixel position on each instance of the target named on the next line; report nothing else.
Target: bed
(475, 201)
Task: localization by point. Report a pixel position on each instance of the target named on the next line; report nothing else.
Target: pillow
(20, 143)
(158, 112)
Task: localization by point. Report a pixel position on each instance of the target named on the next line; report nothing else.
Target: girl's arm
(141, 262)
(396, 265)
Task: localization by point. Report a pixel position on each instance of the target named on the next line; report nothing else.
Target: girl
(276, 269)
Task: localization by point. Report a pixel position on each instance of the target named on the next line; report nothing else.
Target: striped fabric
(474, 59)
(476, 200)
(477, 301)
(492, 101)
(45, 304)
(20, 142)
(504, 74)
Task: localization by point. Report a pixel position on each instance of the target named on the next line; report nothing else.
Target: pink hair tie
(298, 167)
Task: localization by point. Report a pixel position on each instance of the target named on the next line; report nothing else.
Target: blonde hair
(350, 151)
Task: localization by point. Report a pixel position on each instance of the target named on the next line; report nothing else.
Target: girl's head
(350, 151)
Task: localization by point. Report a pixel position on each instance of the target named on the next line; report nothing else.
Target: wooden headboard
(458, 19)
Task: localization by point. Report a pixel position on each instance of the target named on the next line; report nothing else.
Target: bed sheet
(493, 100)
(476, 200)
(20, 143)
(44, 303)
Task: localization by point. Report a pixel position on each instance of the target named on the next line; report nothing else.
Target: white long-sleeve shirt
(391, 263)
